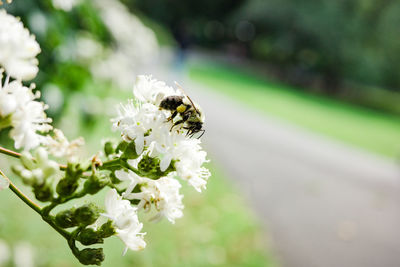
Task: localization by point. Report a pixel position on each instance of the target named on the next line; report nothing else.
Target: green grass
(368, 129)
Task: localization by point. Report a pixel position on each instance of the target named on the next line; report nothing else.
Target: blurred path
(325, 204)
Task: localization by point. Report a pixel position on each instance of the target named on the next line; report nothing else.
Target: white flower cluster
(19, 108)
(125, 220)
(18, 48)
(164, 193)
(26, 116)
(145, 123)
(59, 146)
(136, 45)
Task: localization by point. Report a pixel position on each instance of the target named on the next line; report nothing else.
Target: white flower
(65, 5)
(59, 146)
(135, 121)
(4, 183)
(188, 155)
(164, 193)
(27, 115)
(149, 90)
(125, 220)
(130, 177)
(27, 121)
(168, 201)
(189, 165)
(18, 48)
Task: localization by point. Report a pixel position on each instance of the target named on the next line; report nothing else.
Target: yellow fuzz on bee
(181, 108)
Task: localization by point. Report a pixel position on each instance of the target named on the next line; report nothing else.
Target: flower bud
(107, 229)
(130, 151)
(91, 256)
(87, 214)
(122, 146)
(73, 172)
(43, 193)
(89, 236)
(150, 167)
(50, 169)
(27, 161)
(41, 156)
(38, 175)
(95, 183)
(66, 218)
(109, 148)
(66, 187)
(25, 174)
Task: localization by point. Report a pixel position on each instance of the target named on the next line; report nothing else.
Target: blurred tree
(188, 19)
(340, 40)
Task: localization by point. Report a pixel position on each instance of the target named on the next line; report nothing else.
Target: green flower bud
(25, 174)
(91, 256)
(149, 166)
(130, 151)
(73, 171)
(50, 169)
(95, 183)
(66, 218)
(109, 148)
(87, 214)
(122, 146)
(27, 161)
(41, 156)
(89, 236)
(66, 187)
(43, 193)
(38, 176)
(107, 229)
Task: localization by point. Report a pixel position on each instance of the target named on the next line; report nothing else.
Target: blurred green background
(218, 229)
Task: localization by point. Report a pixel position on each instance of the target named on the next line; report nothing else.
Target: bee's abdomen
(171, 102)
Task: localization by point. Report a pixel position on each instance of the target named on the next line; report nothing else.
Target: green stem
(110, 163)
(17, 155)
(72, 239)
(35, 207)
(50, 221)
(61, 200)
(22, 196)
(10, 152)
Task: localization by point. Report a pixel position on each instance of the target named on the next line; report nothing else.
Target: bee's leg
(203, 131)
(175, 124)
(172, 116)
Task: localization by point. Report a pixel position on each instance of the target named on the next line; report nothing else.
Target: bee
(191, 118)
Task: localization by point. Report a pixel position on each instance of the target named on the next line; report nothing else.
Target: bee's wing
(183, 91)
